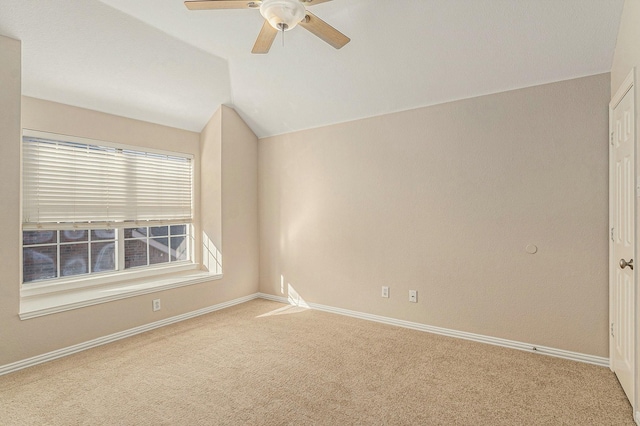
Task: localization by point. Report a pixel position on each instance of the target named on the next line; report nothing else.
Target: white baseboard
(527, 347)
(50, 356)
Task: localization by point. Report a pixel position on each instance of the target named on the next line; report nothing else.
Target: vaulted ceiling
(155, 60)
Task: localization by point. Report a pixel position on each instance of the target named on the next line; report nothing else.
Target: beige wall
(627, 53)
(444, 200)
(211, 181)
(10, 101)
(441, 199)
(230, 199)
(239, 204)
(22, 339)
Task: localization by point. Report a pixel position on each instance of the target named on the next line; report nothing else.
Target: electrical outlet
(413, 296)
(156, 305)
(385, 291)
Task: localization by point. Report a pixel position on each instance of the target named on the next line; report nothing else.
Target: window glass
(103, 234)
(158, 250)
(135, 232)
(39, 263)
(103, 256)
(159, 231)
(68, 253)
(179, 248)
(156, 245)
(178, 229)
(39, 237)
(73, 236)
(135, 250)
(74, 259)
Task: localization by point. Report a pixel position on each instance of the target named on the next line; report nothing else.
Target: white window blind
(70, 182)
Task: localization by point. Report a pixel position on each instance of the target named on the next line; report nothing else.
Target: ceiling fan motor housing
(283, 15)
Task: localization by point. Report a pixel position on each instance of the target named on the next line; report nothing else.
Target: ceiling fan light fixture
(283, 15)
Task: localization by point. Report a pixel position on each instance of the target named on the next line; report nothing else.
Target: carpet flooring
(264, 363)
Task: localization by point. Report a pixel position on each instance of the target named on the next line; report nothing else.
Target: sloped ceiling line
(159, 62)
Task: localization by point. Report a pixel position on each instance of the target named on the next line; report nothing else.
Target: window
(94, 208)
(54, 254)
(155, 245)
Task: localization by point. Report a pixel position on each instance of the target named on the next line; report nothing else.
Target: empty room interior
(319, 212)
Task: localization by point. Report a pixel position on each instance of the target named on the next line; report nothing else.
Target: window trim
(41, 287)
(39, 298)
(34, 306)
(120, 274)
(72, 282)
(91, 141)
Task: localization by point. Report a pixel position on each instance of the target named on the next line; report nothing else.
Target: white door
(622, 202)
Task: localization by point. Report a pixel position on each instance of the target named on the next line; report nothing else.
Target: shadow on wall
(211, 256)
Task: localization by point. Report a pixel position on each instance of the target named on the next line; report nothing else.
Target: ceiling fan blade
(314, 2)
(222, 4)
(265, 38)
(325, 31)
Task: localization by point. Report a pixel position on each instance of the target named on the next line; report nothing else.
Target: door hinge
(612, 335)
(612, 239)
(611, 138)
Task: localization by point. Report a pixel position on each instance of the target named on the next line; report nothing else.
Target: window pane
(39, 263)
(103, 256)
(159, 231)
(74, 259)
(68, 253)
(103, 234)
(39, 237)
(135, 232)
(158, 250)
(179, 247)
(135, 253)
(178, 229)
(72, 236)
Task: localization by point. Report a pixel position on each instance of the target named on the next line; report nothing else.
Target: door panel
(623, 236)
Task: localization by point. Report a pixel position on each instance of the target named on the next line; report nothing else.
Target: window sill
(32, 306)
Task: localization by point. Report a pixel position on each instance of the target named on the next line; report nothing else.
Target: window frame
(59, 245)
(66, 283)
(125, 279)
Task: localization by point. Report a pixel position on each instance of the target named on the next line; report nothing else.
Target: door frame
(629, 84)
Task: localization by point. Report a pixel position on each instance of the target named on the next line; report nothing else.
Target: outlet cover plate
(385, 291)
(413, 296)
(156, 305)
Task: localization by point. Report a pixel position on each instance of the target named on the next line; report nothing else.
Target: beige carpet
(263, 363)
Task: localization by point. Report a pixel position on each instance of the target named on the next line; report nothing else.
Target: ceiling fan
(279, 15)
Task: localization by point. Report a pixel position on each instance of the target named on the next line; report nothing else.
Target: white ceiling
(155, 60)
